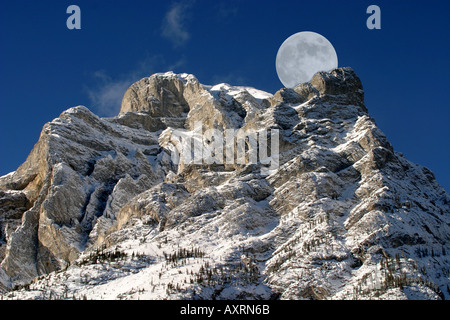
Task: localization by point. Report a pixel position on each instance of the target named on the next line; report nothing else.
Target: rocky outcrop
(342, 215)
(76, 174)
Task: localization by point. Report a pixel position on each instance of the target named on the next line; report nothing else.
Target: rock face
(341, 216)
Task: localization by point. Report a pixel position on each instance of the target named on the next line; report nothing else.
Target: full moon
(302, 55)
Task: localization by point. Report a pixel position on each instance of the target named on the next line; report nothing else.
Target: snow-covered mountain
(101, 210)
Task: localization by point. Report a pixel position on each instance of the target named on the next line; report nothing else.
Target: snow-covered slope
(100, 210)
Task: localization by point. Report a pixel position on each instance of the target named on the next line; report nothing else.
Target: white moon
(302, 55)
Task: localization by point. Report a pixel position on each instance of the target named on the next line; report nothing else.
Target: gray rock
(344, 216)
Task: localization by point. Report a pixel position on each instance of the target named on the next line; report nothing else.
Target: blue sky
(46, 68)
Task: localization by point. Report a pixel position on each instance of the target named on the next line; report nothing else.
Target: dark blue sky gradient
(46, 68)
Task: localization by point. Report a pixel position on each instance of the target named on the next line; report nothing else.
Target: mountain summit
(223, 192)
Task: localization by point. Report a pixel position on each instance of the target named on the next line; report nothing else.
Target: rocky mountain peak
(160, 95)
(307, 200)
